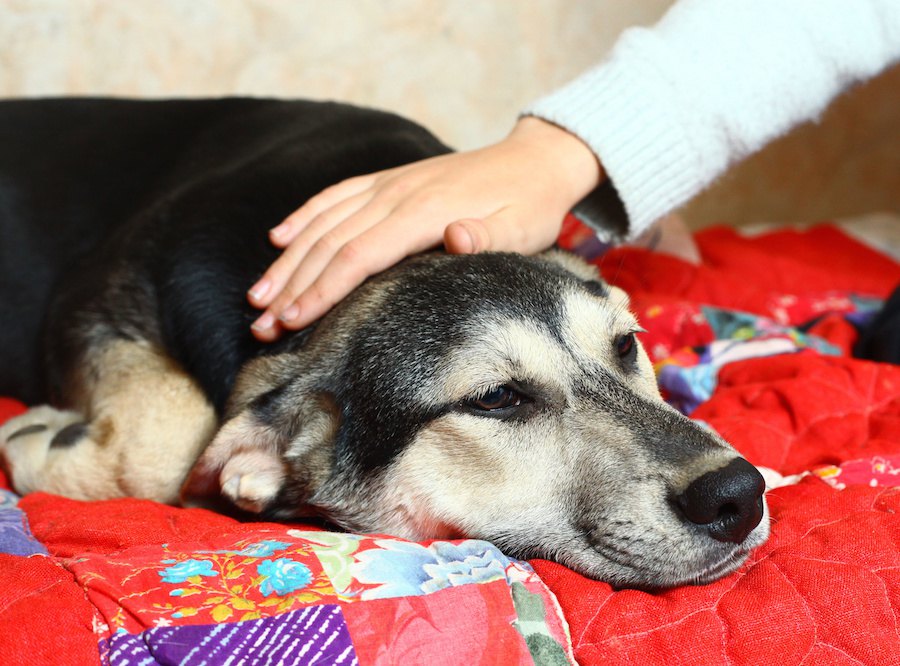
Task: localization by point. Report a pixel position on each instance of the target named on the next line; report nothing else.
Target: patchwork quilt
(755, 343)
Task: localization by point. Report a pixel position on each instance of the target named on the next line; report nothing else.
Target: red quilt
(754, 342)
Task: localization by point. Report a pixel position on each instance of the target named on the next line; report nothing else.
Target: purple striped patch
(313, 635)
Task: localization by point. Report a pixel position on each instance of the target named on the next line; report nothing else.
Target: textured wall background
(462, 67)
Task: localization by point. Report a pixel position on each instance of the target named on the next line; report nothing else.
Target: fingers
(314, 278)
(308, 255)
(378, 249)
(266, 328)
(285, 232)
(331, 270)
(500, 232)
(321, 230)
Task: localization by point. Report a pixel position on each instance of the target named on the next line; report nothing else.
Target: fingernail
(473, 241)
(291, 313)
(276, 232)
(260, 289)
(264, 323)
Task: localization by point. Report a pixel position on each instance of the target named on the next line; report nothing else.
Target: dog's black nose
(727, 501)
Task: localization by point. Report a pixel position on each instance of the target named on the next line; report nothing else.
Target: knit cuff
(623, 110)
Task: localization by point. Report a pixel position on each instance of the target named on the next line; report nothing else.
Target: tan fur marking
(500, 352)
(464, 474)
(148, 422)
(591, 330)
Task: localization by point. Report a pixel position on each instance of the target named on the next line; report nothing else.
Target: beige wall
(462, 67)
(845, 164)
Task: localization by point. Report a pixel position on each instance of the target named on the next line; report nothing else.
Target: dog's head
(491, 396)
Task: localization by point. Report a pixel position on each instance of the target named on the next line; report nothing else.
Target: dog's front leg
(140, 425)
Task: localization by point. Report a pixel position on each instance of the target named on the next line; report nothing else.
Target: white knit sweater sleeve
(674, 105)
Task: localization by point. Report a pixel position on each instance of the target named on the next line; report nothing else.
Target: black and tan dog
(492, 396)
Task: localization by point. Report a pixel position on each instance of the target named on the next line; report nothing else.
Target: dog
(492, 396)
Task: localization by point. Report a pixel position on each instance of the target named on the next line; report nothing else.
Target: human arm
(673, 106)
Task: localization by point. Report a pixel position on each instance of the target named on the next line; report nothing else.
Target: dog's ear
(587, 272)
(263, 449)
(618, 297)
(572, 263)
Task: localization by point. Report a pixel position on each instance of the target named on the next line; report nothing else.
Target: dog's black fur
(186, 190)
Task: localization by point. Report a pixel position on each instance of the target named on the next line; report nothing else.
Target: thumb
(499, 232)
(468, 236)
(504, 231)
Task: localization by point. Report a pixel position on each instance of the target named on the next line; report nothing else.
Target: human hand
(511, 196)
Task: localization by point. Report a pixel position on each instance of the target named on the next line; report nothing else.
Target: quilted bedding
(755, 343)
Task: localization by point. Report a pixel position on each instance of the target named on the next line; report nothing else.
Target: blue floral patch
(406, 569)
(179, 573)
(282, 576)
(265, 548)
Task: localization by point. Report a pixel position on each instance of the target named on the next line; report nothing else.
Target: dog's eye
(625, 345)
(499, 398)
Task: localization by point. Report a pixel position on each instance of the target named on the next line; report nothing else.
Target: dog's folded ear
(587, 272)
(279, 444)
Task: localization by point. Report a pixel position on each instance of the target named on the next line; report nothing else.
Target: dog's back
(86, 185)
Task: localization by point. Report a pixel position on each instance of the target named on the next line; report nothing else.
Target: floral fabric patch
(876, 472)
(187, 603)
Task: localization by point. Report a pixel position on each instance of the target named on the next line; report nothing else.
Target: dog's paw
(251, 480)
(26, 440)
